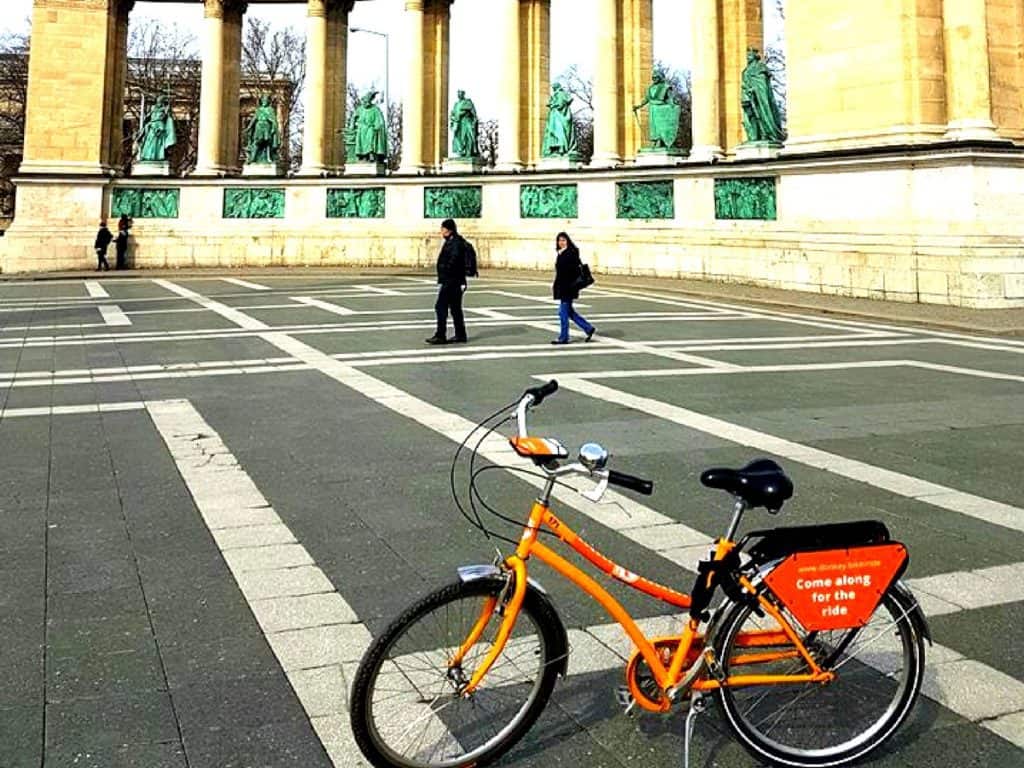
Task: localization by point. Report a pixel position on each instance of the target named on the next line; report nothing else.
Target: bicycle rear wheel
(407, 708)
(878, 667)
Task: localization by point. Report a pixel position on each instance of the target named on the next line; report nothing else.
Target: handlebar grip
(544, 390)
(632, 483)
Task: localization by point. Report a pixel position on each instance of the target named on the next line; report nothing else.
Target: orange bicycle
(814, 654)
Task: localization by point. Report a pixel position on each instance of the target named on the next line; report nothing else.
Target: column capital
(317, 8)
(414, 5)
(217, 9)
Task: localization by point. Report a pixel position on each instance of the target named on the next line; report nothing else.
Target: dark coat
(451, 262)
(122, 242)
(103, 238)
(567, 272)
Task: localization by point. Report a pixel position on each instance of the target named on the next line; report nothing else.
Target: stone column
(436, 45)
(607, 121)
(534, 76)
(968, 85)
(637, 67)
(326, 46)
(219, 89)
(73, 124)
(510, 155)
(412, 102)
(706, 84)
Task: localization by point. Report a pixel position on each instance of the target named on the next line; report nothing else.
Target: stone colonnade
(944, 70)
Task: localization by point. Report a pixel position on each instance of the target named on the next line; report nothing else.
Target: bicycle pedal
(625, 700)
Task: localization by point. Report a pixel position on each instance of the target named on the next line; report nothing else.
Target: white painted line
(238, 318)
(245, 284)
(112, 315)
(68, 410)
(937, 495)
(378, 291)
(334, 309)
(306, 622)
(96, 290)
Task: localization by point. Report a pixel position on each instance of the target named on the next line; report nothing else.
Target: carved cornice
(91, 5)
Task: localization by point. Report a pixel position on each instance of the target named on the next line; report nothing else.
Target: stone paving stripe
(967, 504)
(267, 558)
(238, 318)
(379, 291)
(973, 690)
(67, 410)
(96, 290)
(983, 588)
(284, 582)
(112, 315)
(334, 309)
(252, 536)
(1009, 727)
(280, 614)
(320, 646)
(322, 690)
(245, 284)
(279, 581)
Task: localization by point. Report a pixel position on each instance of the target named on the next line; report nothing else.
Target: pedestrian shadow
(496, 333)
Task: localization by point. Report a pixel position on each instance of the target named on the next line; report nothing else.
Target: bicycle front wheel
(408, 709)
(878, 667)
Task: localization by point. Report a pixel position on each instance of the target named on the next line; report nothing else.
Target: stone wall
(939, 227)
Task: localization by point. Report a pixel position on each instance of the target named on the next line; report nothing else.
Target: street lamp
(387, 58)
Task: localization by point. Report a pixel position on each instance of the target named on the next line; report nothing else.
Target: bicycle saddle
(761, 483)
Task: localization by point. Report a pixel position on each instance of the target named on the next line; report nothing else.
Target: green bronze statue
(465, 128)
(560, 130)
(663, 111)
(158, 134)
(371, 131)
(761, 119)
(262, 135)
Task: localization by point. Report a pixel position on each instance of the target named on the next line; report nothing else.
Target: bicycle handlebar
(541, 392)
(631, 482)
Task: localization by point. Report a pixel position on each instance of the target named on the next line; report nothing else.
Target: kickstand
(698, 704)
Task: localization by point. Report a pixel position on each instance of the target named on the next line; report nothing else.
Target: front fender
(538, 599)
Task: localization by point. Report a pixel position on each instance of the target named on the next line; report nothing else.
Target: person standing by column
(568, 269)
(103, 238)
(451, 282)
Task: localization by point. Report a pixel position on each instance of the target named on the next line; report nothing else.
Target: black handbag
(585, 279)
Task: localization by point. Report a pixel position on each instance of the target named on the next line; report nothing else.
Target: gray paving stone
(1009, 727)
(253, 536)
(21, 735)
(148, 755)
(321, 691)
(110, 721)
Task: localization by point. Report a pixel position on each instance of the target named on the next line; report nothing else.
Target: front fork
(509, 609)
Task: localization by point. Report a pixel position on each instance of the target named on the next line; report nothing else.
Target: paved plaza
(215, 490)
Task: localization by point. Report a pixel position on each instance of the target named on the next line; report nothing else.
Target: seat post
(737, 514)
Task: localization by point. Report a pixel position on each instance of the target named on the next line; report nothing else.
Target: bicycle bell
(593, 456)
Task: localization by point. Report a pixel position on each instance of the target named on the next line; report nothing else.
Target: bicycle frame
(670, 677)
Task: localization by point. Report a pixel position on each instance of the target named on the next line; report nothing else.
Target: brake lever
(597, 492)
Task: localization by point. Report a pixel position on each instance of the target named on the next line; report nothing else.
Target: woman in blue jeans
(567, 272)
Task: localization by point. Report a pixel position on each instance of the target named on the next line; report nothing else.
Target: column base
(973, 130)
(706, 154)
(462, 165)
(364, 168)
(213, 170)
(571, 162)
(605, 161)
(509, 167)
(151, 168)
(649, 156)
(317, 172)
(61, 168)
(758, 150)
(260, 169)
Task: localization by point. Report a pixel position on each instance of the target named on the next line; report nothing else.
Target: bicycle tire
(538, 625)
(880, 667)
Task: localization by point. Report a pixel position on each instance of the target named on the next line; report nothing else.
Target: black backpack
(469, 254)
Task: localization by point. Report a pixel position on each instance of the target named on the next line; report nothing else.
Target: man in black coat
(103, 238)
(451, 281)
